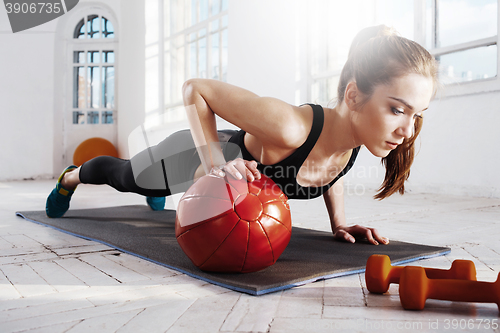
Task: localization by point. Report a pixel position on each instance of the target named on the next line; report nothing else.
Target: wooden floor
(54, 282)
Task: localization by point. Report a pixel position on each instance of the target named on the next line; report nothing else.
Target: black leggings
(158, 171)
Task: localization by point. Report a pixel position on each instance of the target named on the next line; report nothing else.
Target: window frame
(168, 43)
(466, 87)
(86, 44)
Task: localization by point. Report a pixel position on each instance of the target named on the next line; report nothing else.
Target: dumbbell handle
(464, 291)
(432, 273)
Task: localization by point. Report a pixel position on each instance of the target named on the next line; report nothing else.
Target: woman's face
(388, 117)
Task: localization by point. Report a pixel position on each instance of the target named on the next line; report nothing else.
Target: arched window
(93, 29)
(93, 62)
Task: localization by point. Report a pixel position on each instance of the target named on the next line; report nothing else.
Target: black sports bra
(284, 173)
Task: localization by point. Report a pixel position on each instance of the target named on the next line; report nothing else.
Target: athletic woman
(385, 85)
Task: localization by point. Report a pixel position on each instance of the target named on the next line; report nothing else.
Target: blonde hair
(377, 56)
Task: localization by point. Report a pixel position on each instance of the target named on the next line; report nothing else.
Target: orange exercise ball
(229, 225)
(91, 148)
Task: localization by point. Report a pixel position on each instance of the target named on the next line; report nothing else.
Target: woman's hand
(350, 234)
(237, 168)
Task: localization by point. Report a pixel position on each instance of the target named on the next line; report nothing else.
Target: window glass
(224, 55)
(79, 57)
(330, 43)
(167, 75)
(193, 60)
(215, 7)
(324, 91)
(93, 117)
(194, 12)
(464, 66)
(202, 58)
(93, 57)
(318, 91)
(109, 56)
(107, 28)
(93, 81)
(398, 14)
(178, 67)
(175, 11)
(465, 20)
(195, 44)
(107, 117)
(108, 87)
(79, 30)
(214, 25)
(215, 56)
(203, 10)
(93, 26)
(428, 24)
(78, 87)
(78, 118)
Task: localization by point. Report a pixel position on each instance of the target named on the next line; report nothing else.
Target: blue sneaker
(156, 203)
(58, 201)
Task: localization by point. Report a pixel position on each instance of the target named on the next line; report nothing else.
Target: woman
(384, 86)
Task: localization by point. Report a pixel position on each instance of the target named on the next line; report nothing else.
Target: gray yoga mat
(311, 255)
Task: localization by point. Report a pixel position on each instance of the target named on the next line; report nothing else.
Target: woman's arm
(270, 120)
(334, 201)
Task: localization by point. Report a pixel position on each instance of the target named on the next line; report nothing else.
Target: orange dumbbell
(415, 288)
(380, 274)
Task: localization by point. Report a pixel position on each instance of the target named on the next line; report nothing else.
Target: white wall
(26, 100)
(459, 151)
(131, 78)
(262, 47)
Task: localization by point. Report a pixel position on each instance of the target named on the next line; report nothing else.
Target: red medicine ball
(229, 225)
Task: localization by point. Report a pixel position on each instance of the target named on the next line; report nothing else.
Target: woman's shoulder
(298, 125)
(287, 128)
